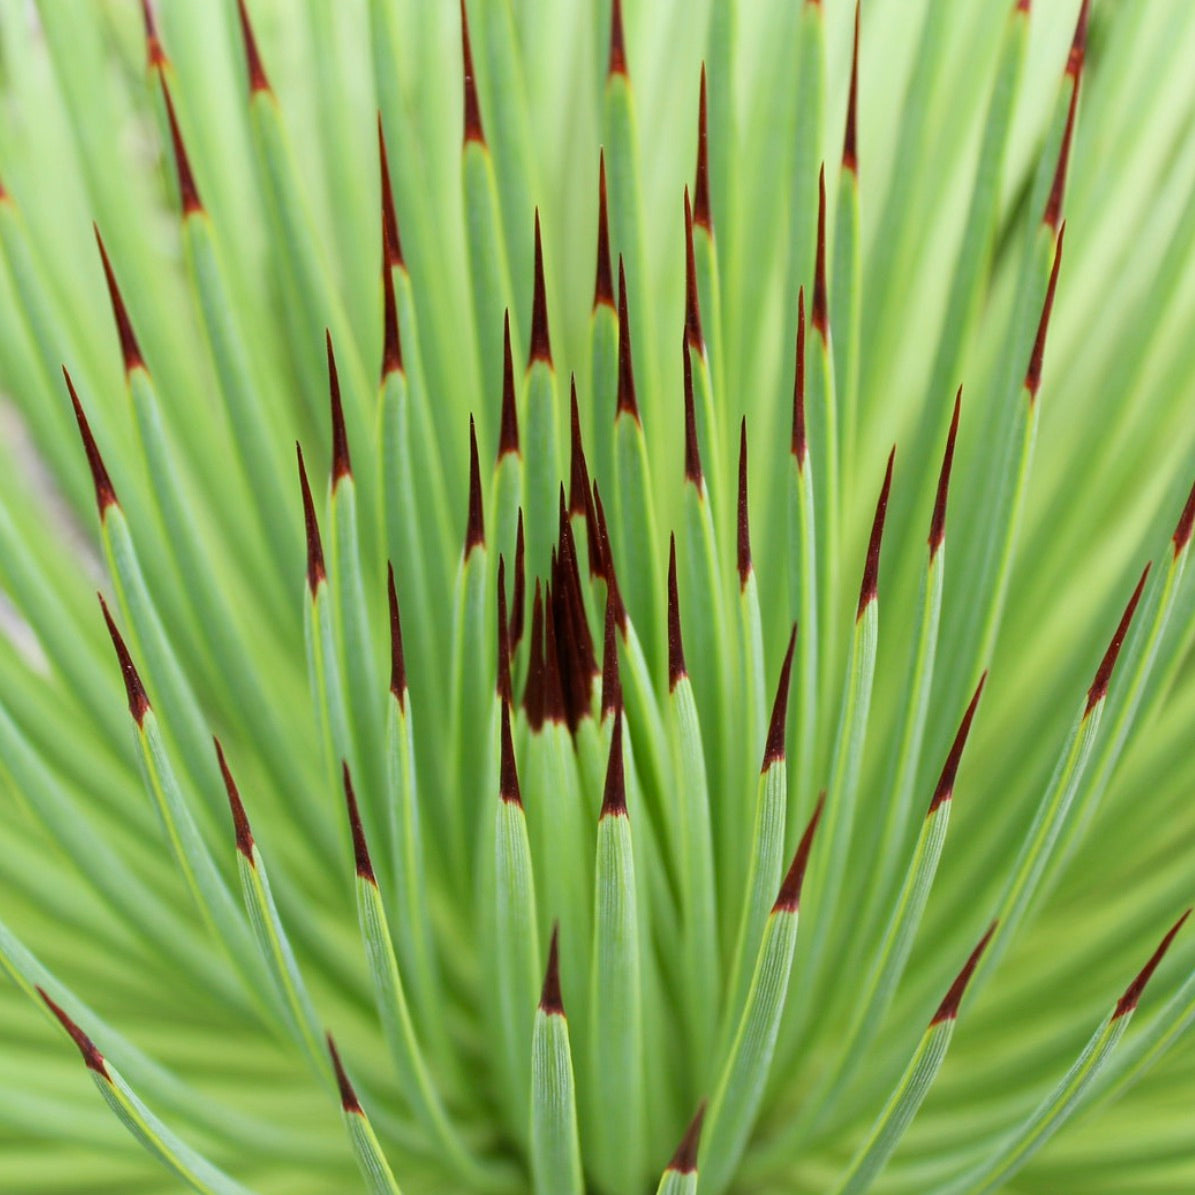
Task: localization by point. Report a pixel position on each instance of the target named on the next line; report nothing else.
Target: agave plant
(638, 864)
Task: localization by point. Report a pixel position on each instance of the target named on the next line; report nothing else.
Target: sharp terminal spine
(508, 436)
(676, 646)
(1033, 373)
(819, 314)
(743, 539)
(348, 1097)
(398, 663)
(551, 1003)
(1186, 521)
(800, 442)
(579, 499)
(774, 750)
(869, 590)
(611, 678)
(129, 348)
(188, 192)
(105, 493)
(256, 70)
(342, 465)
(702, 212)
(614, 798)
(91, 1054)
(603, 286)
(540, 348)
(505, 694)
(684, 1161)
(533, 688)
(693, 470)
(134, 689)
(391, 240)
(1132, 994)
(360, 846)
(508, 782)
(518, 600)
(850, 150)
(944, 789)
(617, 63)
(316, 572)
(475, 525)
(937, 526)
(240, 819)
(788, 900)
(1103, 675)
(473, 126)
(948, 1009)
(626, 370)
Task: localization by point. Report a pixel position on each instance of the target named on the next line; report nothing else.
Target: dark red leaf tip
(850, 151)
(800, 444)
(342, 466)
(505, 690)
(1023, 5)
(684, 1161)
(91, 1055)
(315, 548)
(694, 336)
(1103, 675)
(937, 524)
(518, 600)
(105, 494)
(508, 782)
(608, 570)
(134, 689)
(773, 751)
(475, 525)
(1078, 50)
(614, 797)
(603, 287)
(1033, 373)
(257, 72)
(871, 569)
(788, 899)
(945, 787)
(1132, 994)
(1053, 211)
(1186, 521)
(473, 129)
(611, 679)
(743, 542)
(348, 1097)
(948, 1009)
(617, 64)
(540, 348)
(702, 212)
(676, 646)
(129, 348)
(579, 495)
(398, 664)
(626, 371)
(533, 689)
(555, 708)
(550, 1001)
(155, 56)
(391, 241)
(508, 436)
(240, 820)
(360, 846)
(693, 471)
(819, 314)
(188, 192)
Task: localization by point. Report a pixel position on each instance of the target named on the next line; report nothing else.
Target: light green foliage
(556, 920)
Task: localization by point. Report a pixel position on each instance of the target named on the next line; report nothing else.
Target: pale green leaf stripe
(676, 1182)
(711, 437)
(555, 1145)
(741, 1084)
(615, 1116)
(160, 1142)
(368, 1151)
(807, 144)
(691, 833)
(326, 684)
(541, 451)
(803, 551)
(709, 292)
(635, 527)
(846, 285)
(621, 140)
(399, 1032)
(489, 268)
(1050, 1115)
(472, 700)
